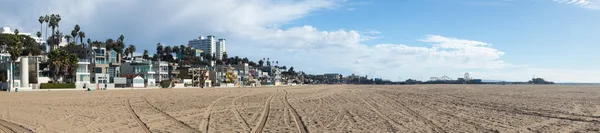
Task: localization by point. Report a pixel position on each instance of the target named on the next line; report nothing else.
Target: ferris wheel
(467, 76)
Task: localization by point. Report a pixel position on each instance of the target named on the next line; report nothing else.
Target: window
(98, 70)
(113, 56)
(84, 77)
(139, 69)
(82, 68)
(100, 61)
(111, 72)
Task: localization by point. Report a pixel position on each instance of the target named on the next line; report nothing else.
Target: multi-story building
(162, 70)
(83, 76)
(140, 67)
(99, 64)
(274, 74)
(220, 49)
(114, 62)
(210, 45)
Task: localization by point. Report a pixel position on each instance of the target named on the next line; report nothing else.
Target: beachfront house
(162, 70)
(83, 74)
(114, 62)
(142, 68)
(274, 75)
(99, 64)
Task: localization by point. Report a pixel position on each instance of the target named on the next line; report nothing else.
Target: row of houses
(100, 68)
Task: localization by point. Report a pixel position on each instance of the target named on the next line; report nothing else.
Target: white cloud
(590, 4)
(252, 28)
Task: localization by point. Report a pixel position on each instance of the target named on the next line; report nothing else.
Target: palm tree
(15, 48)
(41, 20)
(176, 50)
(46, 19)
(145, 56)
(159, 50)
(182, 48)
(127, 52)
(89, 41)
(81, 36)
(110, 44)
(74, 34)
(39, 34)
(131, 50)
(72, 65)
(53, 24)
(68, 37)
(168, 51)
(77, 28)
(120, 45)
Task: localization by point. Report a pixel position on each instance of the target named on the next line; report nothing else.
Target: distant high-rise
(209, 45)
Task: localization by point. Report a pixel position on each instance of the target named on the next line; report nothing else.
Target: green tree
(68, 37)
(41, 20)
(159, 50)
(17, 32)
(38, 34)
(146, 56)
(245, 60)
(155, 57)
(168, 55)
(260, 63)
(224, 58)
(182, 48)
(47, 20)
(127, 52)
(81, 36)
(119, 46)
(30, 45)
(176, 50)
(62, 64)
(131, 50)
(15, 48)
(74, 34)
(54, 23)
(110, 44)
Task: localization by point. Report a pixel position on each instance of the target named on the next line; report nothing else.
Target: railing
(84, 60)
(100, 54)
(101, 62)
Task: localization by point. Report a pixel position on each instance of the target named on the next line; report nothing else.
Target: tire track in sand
(10, 127)
(186, 126)
(239, 117)
(418, 116)
(379, 113)
(297, 118)
(136, 117)
(259, 127)
(206, 118)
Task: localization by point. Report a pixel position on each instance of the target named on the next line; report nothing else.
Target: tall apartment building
(209, 44)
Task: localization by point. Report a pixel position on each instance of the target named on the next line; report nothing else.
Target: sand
(314, 108)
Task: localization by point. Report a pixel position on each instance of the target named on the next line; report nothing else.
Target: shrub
(57, 86)
(165, 83)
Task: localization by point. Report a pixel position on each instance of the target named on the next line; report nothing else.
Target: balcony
(84, 60)
(100, 54)
(101, 62)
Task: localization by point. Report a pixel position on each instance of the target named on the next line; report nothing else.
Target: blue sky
(491, 39)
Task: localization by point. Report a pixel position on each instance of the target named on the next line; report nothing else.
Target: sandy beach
(314, 108)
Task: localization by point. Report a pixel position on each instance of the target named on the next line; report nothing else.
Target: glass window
(82, 68)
